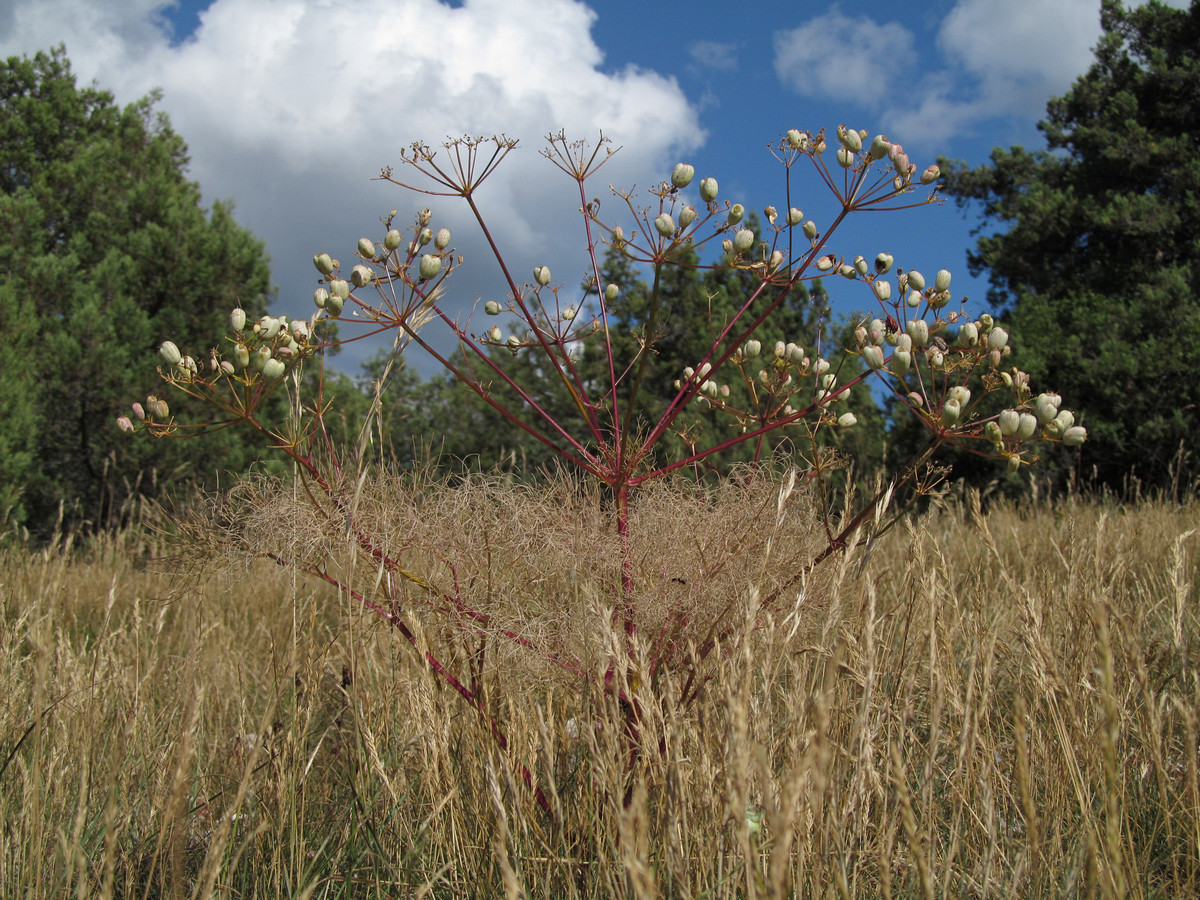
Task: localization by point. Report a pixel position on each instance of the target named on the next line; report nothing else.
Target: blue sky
(291, 107)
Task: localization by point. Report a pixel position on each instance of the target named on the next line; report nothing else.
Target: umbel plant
(635, 634)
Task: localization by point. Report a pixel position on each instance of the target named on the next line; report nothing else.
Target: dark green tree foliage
(695, 303)
(105, 252)
(1098, 261)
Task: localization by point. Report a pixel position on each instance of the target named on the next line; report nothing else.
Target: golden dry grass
(981, 705)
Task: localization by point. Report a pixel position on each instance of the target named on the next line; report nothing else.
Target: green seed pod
(1046, 407)
(709, 388)
(960, 393)
(873, 356)
(916, 281)
(735, 213)
(1074, 436)
(901, 362)
(992, 432)
(682, 175)
(542, 275)
(883, 290)
(1014, 463)
(568, 314)
(883, 263)
(751, 348)
(795, 216)
(441, 240)
(743, 240)
(260, 358)
(825, 263)
(879, 147)
(904, 342)
(687, 216)
(158, 408)
(492, 308)
(810, 229)
(951, 410)
(334, 304)
(241, 356)
(795, 353)
(269, 326)
(665, 225)
(514, 342)
(611, 292)
(361, 276)
(392, 240)
(847, 420)
(942, 281)
(918, 330)
(860, 263)
(237, 319)
(169, 353)
(845, 158)
(431, 264)
(913, 300)
(849, 138)
(796, 139)
(339, 288)
(708, 189)
(1009, 421)
(323, 262)
(366, 249)
(1065, 419)
(848, 271)
(273, 369)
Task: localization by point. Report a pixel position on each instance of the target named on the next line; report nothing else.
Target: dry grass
(983, 705)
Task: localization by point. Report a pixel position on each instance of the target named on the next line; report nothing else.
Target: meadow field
(981, 703)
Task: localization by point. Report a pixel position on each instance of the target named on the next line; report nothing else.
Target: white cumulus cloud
(291, 107)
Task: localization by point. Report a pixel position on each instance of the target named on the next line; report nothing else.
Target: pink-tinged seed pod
(873, 356)
(323, 262)
(951, 410)
(441, 240)
(942, 281)
(138, 411)
(810, 230)
(743, 240)
(124, 423)
(226, 367)
(237, 319)
(492, 308)
(430, 265)
(708, 189)
(682, 175)
(930, 175)
(1027, 427)
(918, 330)
(735, 214)
(883, 263)
(366, 248)
(169, 352)
(611, 292)
(795, 216)
(687, 216)
(847, 420)
(392, 240)
(876, 331)
(361, 276)
(665, 225)
(879, 147)
(1074, 436)
(495, 335)
(1009, 421)
(542, 275)
(915, 400)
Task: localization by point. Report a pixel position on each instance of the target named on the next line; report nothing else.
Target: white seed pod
(847, 271)
(942, 281)
(795, 353)
(797, 140)
(930, 175)
(1046, 407)
(339, 288)
(821, 366)
(273, 369)
(735, 214)
(845, 158)
(960, 393)
(687, 216)
(665, 225)
(708, 189)
(430, 266)
(795, 216)
(495, 335)
(916, 281)
(334, 304)
(936, 358)
(542, 275)
(1009, 421)
(997, 339)
(492, 308)
(237, 319)
(883, 263)
(780, 350)
(269, 326)
(883, 289)
(1065, 419)
(705, 369)
(441, 240)
(860, 263)
(709, 388)
(743, 240)
(951, 410)
(873, 356)
(241, 356)
(611, 292)
(847, 420)
(849, 138)
(810, 229)
(1028, 425)
(169, 352)
(825, 263)
(682, 175)
(425, 236)
(777, 259)
(904, 342)
(771, 213)
(913, 300)
(1074, 436)
(968, 334)
(361, 276)
(901, 362)
(392, 240)
(751, 349)
(879, 147)
(514, 342)
(918, 330)
(568, 314)
(366, 249)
